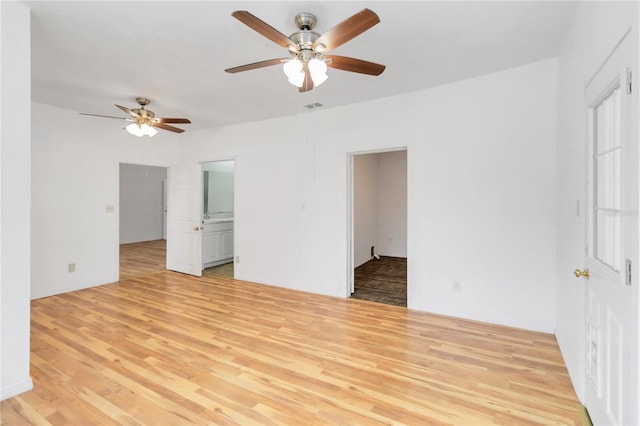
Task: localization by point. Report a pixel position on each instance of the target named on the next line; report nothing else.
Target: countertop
(218, 220)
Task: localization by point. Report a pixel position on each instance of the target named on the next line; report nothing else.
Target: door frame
(350, 279)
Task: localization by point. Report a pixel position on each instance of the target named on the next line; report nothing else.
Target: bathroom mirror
(218, 189)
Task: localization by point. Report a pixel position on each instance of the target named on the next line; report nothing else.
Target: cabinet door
(210, 246)
(226, 244)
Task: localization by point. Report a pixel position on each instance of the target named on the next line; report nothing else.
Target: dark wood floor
(382, 280)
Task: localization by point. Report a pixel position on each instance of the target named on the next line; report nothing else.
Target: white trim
(350, 236)
(66, 289)
(604, 62)
(16, 388)
(548, 327)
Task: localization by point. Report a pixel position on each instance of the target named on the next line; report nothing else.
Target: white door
(184, 219)
(612, 238)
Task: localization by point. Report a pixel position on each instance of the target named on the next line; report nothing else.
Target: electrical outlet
(237, 259)
(71, 267)
(457, 286)
(109, 208)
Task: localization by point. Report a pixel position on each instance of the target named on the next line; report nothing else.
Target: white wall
(141, 203)
(380, 205)
(392, 204)
(75, 172)
(481, 193)
(597, 27)
(15, 226)
(365, 206)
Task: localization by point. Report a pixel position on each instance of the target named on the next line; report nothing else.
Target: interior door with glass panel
(612, 234)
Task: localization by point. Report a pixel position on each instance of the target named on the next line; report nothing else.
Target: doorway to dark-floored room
(379, 227)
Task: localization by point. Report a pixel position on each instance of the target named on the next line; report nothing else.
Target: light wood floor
(142, 258)
(149, 257)
(167, 348)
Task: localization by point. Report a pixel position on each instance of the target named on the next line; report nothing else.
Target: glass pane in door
(607, 177)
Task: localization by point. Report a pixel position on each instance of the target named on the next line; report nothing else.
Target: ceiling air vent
(313, 105)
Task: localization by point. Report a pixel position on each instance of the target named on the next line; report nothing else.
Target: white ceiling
(88, 56)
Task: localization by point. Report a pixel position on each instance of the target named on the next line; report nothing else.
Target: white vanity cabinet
(217, 243)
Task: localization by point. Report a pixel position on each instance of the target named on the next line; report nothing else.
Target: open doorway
(378, 220)
(218, 218)
(142, 220)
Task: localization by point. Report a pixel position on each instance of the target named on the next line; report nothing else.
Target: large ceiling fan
(143, 120)
(309, 64)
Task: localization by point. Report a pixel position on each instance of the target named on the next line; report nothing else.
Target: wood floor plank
(167, 348)
(146, 257)
(382, 279)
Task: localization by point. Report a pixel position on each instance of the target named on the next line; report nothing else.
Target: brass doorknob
(578, 273)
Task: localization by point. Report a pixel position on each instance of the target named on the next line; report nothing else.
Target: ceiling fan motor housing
(305, 37)
(143, 101)
(306, 21)
(144, 113)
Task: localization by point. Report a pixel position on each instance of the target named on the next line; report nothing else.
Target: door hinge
(629, 80)
(628, 272)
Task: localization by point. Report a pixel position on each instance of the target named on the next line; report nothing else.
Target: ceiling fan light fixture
(134, 129)
(141, 130)
(293, 69)
(148, 130)
(297, 80)
(318, 70)
(319, 79)
(317, 66)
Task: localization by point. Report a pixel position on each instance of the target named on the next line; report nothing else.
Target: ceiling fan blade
(166, 127)
(256, 65)
(346, 30)
(354, 65)
(128, 111)
(171, 120)
(307, 84)
(265, 29)
(104, 116)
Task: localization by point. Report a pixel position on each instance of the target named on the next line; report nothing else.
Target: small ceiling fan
(143, 120)
(309, 64)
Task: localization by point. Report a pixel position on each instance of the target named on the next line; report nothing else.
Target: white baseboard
(14, 389)
(545, 327)
(55, 291)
